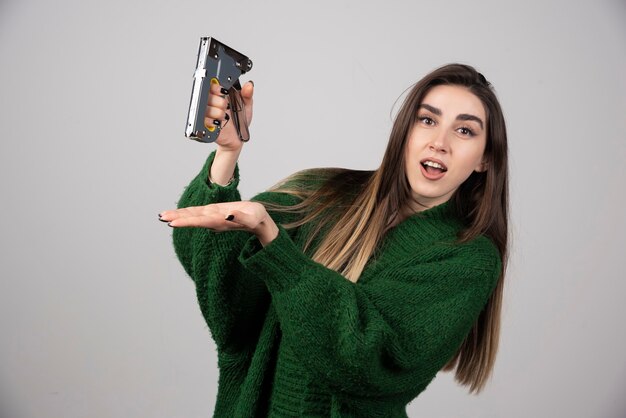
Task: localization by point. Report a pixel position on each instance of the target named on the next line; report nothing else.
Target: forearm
(223, 165)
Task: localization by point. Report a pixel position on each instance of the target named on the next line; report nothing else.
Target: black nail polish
(230, 217)
(223, 91)
(170, 225)
(228, 106)
(226, 117)
(252, 83)
(217, 122)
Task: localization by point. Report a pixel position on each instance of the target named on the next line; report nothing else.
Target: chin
(431, 196)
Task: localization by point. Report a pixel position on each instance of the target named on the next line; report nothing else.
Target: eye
(426, 120)
(465, 131)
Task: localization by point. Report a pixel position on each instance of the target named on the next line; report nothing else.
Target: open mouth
(433, 168)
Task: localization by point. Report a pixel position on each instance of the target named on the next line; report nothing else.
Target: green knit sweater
(295, 338)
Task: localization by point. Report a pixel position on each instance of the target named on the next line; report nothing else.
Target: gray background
(97, 316)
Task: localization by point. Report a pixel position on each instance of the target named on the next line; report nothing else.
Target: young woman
(342, 293)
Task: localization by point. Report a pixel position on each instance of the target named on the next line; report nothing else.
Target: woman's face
(445, 145)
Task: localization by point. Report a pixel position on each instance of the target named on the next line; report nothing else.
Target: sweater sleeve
(387, 336)
(200, 192)
(210, 259)
(231, 299)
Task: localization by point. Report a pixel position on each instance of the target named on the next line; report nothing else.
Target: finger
(215, 113)
(215, 222)
(170, 215)
(215, 122)
(218, 101)
(212, 221)
(216, 89)
(216, 109)
(247, 91)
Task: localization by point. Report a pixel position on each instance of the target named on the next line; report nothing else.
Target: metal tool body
(222, 64)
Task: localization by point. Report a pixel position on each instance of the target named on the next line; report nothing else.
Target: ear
(482, 167)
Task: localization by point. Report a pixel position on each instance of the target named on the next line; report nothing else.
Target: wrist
(222, 169)
(267, 232)
(232, 150)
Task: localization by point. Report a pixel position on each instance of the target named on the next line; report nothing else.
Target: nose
(439, 142)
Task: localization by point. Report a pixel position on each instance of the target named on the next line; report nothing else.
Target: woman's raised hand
(228, 216)
(219, 110)
(228, 143)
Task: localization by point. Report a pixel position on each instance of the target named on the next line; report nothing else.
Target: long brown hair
(361, 206)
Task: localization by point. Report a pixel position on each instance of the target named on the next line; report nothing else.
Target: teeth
(433, 164)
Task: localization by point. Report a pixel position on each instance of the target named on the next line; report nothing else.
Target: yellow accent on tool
(213, 127)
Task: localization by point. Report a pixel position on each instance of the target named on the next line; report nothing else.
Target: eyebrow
(462, 116)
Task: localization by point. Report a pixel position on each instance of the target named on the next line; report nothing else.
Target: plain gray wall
(97, 316)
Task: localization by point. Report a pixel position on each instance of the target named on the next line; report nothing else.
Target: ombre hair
(361, 206)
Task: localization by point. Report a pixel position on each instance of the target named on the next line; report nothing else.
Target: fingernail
(161, 218)
(228, 106)
(230, 217)
(217, 122)
(252, 83)
(170, 225)
(223, 91)
(226, 117)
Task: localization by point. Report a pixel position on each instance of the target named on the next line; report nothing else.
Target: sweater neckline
(442, 211)
(438, 211)
(433, 222)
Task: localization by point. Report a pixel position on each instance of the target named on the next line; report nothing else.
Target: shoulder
(475, 263)
(479, 259)
(481, 250)
(479, 254)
